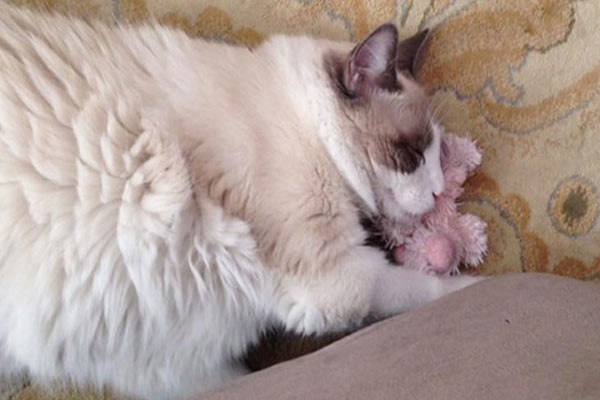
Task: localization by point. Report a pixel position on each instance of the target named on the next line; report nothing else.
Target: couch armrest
(524, 336)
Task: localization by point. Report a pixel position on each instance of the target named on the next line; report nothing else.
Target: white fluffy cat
(164, 199)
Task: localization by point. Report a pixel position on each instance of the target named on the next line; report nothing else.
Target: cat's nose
(438, 189)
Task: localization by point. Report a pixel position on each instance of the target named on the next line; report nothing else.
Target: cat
(165, 199)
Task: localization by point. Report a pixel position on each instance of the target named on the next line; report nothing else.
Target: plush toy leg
(472, 230)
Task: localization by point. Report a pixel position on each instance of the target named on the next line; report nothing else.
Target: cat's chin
(399, 227)
(398, 218)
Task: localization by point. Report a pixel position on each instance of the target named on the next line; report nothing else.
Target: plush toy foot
(440, 254)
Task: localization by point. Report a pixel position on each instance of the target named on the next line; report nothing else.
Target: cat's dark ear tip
(424, 34)
(410, 51)
(387, 27)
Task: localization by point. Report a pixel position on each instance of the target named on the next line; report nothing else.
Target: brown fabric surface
(529, 336)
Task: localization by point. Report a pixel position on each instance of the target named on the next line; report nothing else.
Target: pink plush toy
(444, 238)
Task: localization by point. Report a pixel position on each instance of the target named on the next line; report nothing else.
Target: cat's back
(71, 111)
(48, 57)
(97, 216)
(82, 138)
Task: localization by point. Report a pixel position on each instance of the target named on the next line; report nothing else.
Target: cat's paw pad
(304, 318)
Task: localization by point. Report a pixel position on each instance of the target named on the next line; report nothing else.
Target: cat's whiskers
(438, 108)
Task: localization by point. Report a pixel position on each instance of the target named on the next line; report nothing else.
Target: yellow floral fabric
(520, 77)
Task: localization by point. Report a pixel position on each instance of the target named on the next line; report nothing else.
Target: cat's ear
(372, 62)
(410, 51)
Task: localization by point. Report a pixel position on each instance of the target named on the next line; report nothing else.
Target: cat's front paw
(451, 284)
(304, 318)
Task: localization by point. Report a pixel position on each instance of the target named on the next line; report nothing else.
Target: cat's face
(387, 113)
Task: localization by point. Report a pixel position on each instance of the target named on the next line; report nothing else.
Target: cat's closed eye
(406, 157)
(417, 154)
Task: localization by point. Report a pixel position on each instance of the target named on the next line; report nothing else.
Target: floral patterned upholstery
(520, 77)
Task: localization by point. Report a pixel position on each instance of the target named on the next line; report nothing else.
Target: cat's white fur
(143, 178)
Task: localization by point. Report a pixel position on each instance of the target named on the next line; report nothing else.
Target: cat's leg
(361, 283)
(398, 289)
